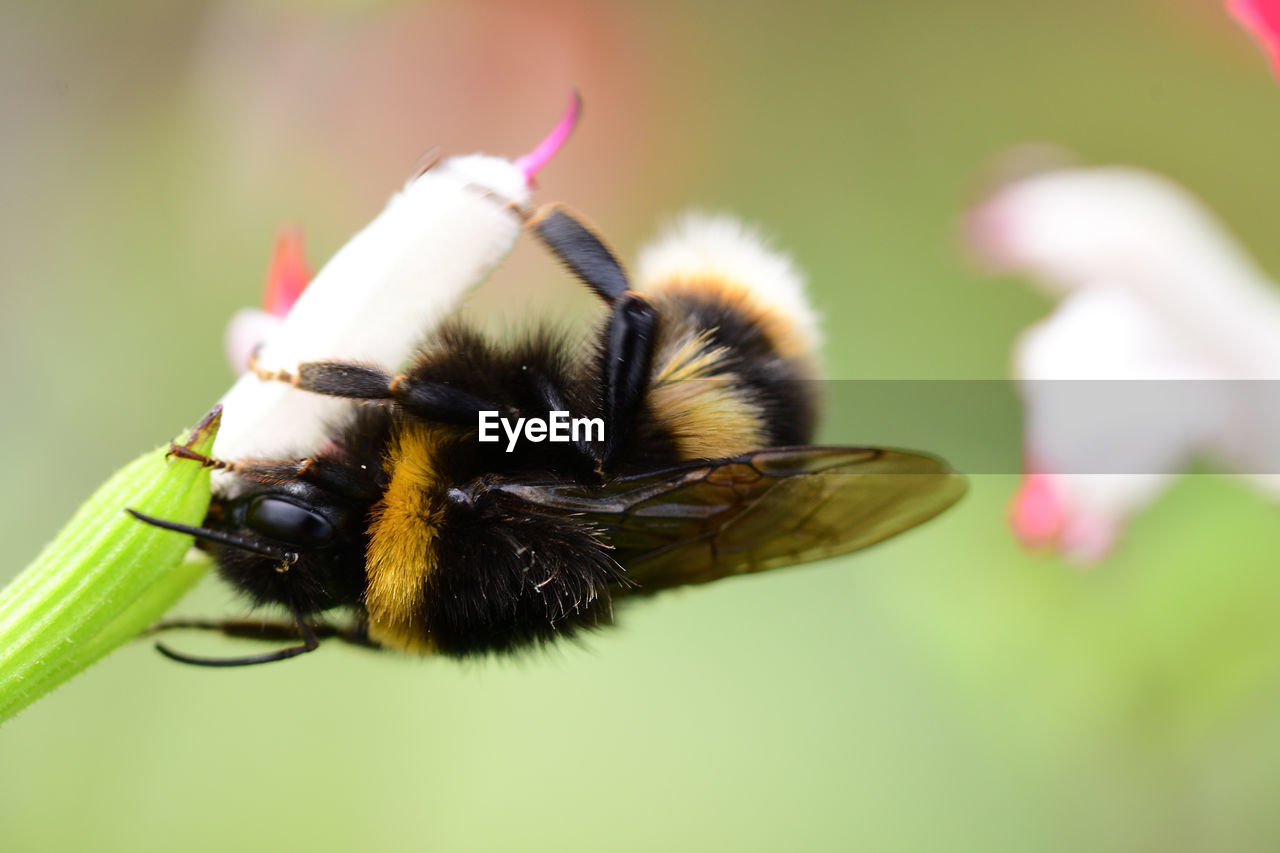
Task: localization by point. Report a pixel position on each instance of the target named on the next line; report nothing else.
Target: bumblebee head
(288, 545)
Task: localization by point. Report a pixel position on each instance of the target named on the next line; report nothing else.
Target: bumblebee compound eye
(286, 521)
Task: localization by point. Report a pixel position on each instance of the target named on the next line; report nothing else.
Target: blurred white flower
(1153, 289)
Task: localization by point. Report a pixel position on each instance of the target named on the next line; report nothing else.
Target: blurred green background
(944, 691)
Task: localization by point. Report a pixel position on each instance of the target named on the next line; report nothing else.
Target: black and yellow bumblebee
(434, 542)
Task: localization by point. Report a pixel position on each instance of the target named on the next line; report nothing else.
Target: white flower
(381, 294)
(1154, 289)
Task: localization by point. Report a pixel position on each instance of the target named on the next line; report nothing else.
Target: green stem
(105, 577)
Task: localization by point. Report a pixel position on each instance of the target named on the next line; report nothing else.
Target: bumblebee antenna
(309, 640)
(221, 537)
(309, 644)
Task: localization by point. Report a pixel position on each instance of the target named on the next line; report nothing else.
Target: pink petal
(1069, 515)
(288, 275)
(1087, 539)
(1037, 513)
(1262, 19)
(540, 156)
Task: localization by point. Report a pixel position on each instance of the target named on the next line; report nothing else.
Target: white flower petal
(249, 329)
(377, 299)
(1118, 227)
(1156, 293)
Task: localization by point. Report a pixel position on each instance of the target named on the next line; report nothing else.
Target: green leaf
(106, 576)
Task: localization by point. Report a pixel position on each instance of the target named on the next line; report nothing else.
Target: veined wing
(775, 507)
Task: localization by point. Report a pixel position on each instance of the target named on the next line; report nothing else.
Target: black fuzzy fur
(779, 386)
(503, 581)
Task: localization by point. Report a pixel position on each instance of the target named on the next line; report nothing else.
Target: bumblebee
(432, 541)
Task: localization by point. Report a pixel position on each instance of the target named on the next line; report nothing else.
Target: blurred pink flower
(288, 274)
(1262, 19)
(366, 92)
(1152, 288)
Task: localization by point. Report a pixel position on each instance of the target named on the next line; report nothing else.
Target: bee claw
(182, 451)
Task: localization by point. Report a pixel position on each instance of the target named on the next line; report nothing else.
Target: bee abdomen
(735, 359)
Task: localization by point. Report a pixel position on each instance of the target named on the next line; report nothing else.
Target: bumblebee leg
(249, 629)
(310, 645)
(632, 328)
(328, 474)
(581, 250)
(433, 401)
(628, 357)
(336, 477)
(182, 451)
(186, 451)
(590, 457)
(299, 629)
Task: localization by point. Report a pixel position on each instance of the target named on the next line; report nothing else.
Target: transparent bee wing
(777, 507)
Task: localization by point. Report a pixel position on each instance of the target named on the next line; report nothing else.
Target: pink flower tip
(1262, 19)
(1043, 518)
(988, 235)
(288, 275)
(533, 162)
(1087, 540)
(1038, 513)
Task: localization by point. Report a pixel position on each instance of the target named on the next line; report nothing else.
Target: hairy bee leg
(628, 358)
(309, 468)
(632, 328)
(331, 476)
(433, 401)
(581, 250)
(186, 449)
(590, 458)
(267, 374)
(182, 451)
(336, 477)
(310, 642)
